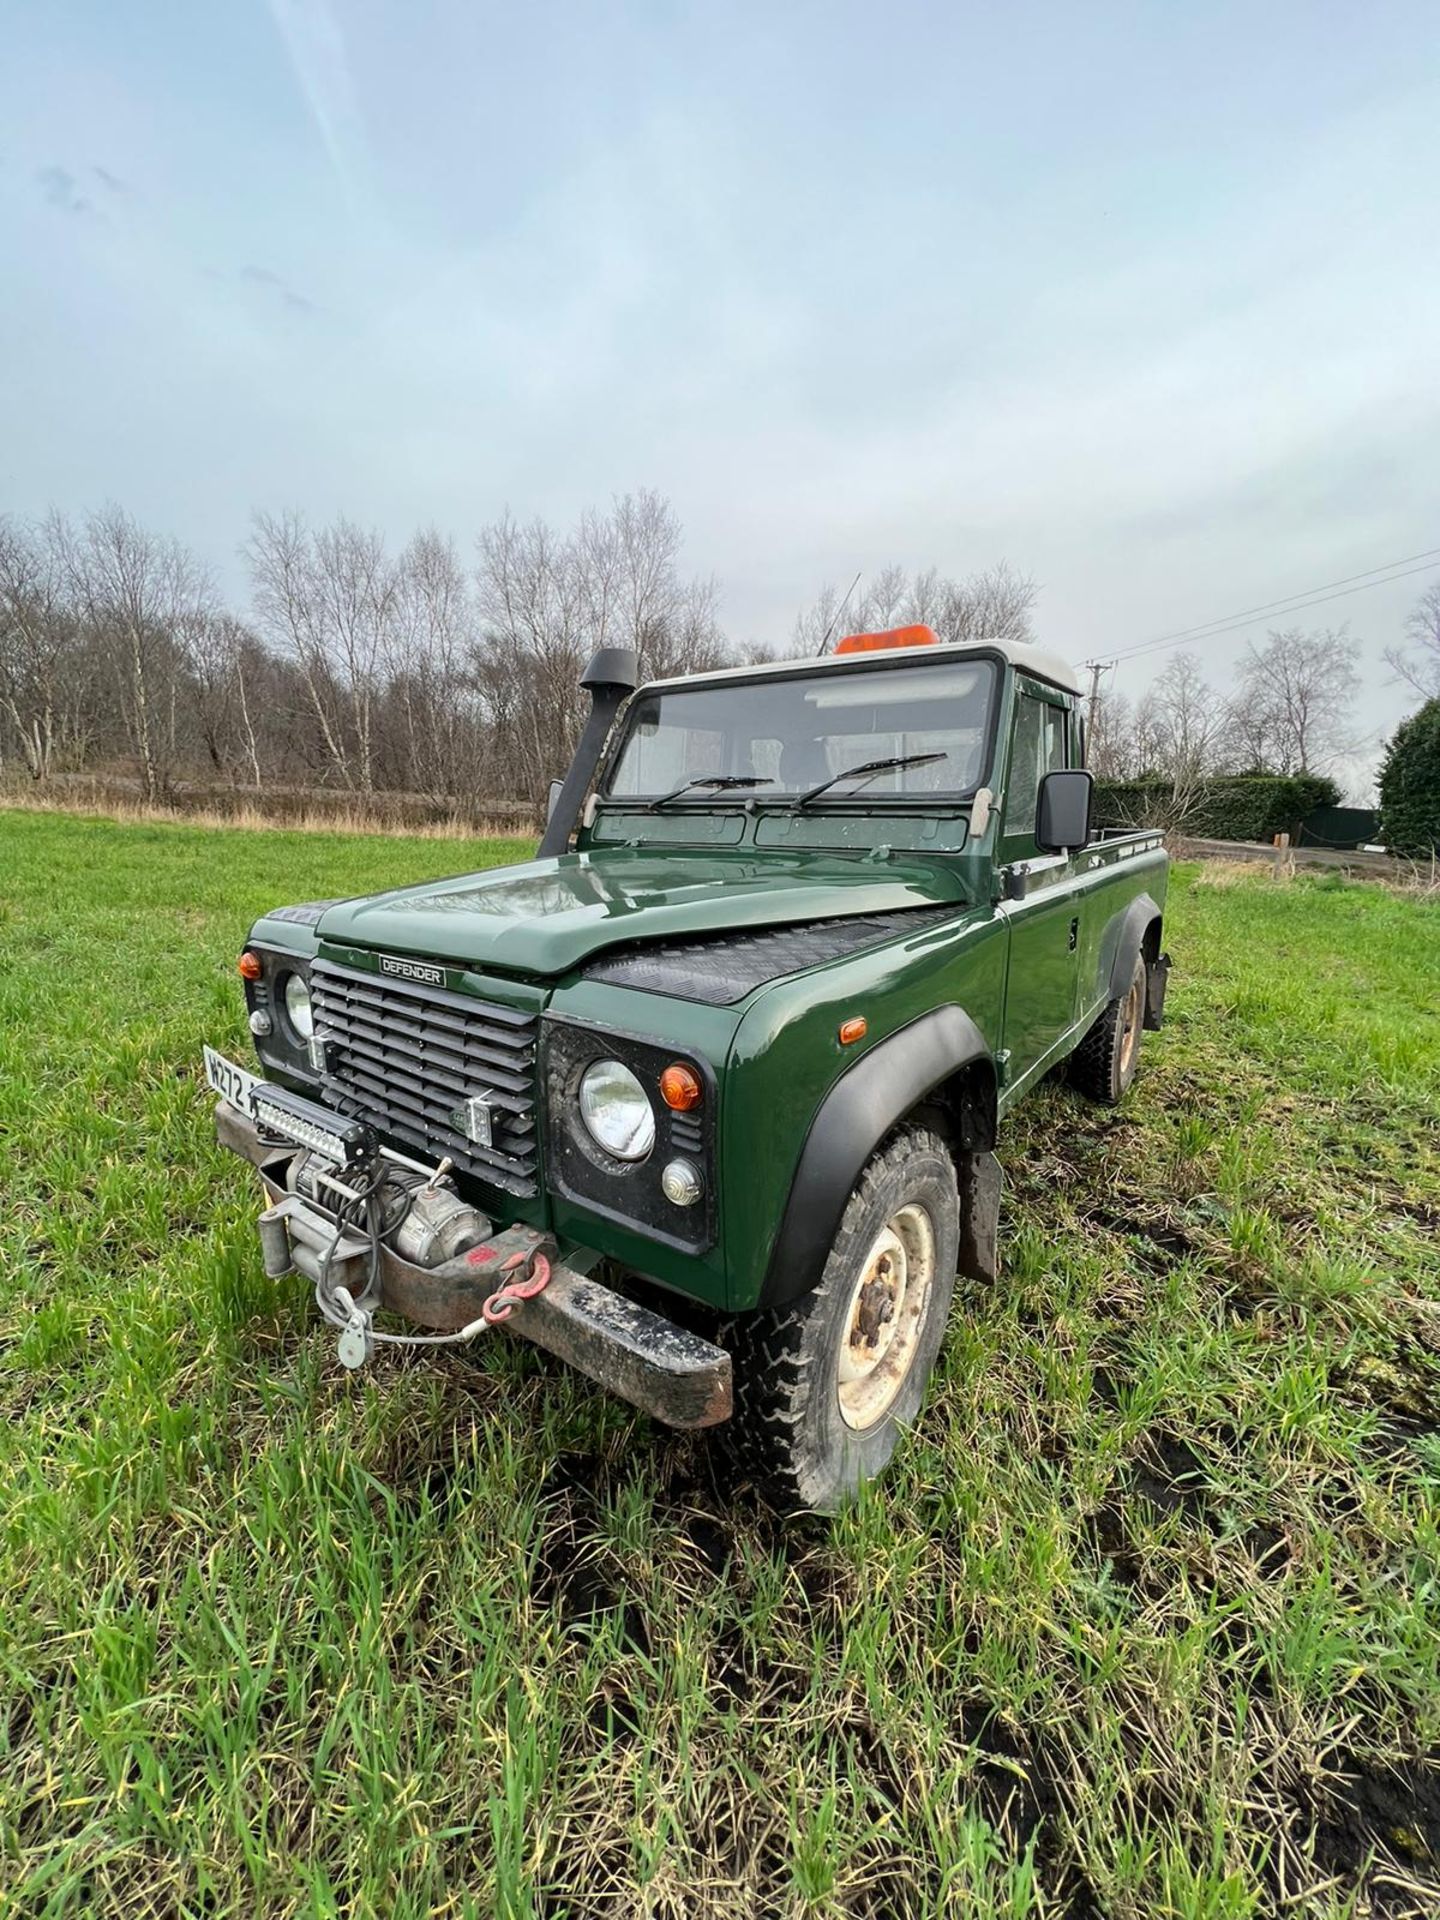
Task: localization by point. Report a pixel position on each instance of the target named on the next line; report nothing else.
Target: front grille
(405, 1057)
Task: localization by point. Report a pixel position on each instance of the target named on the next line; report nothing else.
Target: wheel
(1103, 1065)
(824, 1386)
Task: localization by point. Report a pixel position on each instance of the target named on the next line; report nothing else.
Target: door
(1043, 904)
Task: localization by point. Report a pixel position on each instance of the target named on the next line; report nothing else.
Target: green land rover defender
(705, 1098)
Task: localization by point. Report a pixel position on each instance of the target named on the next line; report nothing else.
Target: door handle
(1074, 933)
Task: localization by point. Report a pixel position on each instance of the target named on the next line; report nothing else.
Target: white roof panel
(1044, 666)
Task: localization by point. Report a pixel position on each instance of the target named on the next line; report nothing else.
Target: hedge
(1231, 806)
(1410, 786)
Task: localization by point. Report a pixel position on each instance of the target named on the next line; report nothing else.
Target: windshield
(790, 734)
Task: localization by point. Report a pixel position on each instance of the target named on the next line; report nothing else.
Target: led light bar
(345, 1142)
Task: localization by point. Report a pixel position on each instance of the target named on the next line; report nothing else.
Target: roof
(1019, 653)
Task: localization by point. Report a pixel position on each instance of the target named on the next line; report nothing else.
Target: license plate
(232, 1083)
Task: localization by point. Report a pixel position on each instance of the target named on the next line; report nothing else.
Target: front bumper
(676, 1376)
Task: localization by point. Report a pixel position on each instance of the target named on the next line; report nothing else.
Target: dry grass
(250, 816)
(1411, 879)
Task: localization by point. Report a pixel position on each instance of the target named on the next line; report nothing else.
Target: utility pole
(1094, 668)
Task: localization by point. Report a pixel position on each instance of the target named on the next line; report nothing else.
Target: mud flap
(1157, 979)
(979, 1179)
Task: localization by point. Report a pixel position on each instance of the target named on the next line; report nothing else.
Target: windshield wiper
(717, 781)
(867, 770)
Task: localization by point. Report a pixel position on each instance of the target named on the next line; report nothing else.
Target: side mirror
(552, 799)
(1062, 818)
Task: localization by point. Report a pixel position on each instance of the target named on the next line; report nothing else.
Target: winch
(332, 1219)
(437, 1224)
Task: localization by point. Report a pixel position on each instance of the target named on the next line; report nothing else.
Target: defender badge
(418, 970)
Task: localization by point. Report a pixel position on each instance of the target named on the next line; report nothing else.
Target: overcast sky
(1144, 299)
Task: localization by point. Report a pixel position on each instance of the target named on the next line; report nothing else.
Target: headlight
(297, 1005)
(616, 1110)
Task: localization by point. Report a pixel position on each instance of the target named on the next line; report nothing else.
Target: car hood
(549, 916)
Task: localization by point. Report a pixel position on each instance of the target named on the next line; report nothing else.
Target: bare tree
(689, 638)
(546, 600)
(287, 602)
(360, 669)
(331, 600)
(136, 591)
(249, 661)
(887, 600)
(1111, 750)
(430, 678)
(626, 565)
(1177, 737)
(1420, 670)
(220, 656)
(1149, 735)
(39, 651)
(533, 639)
(817, 625)
(995, 604)
(358, 591)
(1296, 700)
(1190, 722)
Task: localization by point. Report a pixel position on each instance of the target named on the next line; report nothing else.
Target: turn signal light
(249, 965)
(891, 637)
(853, 1030)
(680, 1087)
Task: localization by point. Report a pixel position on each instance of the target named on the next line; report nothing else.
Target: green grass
(1143, 1624)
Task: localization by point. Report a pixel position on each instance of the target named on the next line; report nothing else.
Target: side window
(1037, 747)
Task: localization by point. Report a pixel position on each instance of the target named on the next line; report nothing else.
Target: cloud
(268, 278)
(111, 182)
(62, 190)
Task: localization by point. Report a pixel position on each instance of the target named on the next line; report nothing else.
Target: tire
(1103, 1065)
(824, 1386)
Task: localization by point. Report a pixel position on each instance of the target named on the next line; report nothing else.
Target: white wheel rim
(1131, 1017)
(884, 1318)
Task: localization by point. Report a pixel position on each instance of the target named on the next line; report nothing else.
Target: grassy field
(1147, 1622)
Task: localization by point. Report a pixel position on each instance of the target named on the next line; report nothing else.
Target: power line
(1292, 603)
(1303, 593)
(1272, 606)
(1299, 606)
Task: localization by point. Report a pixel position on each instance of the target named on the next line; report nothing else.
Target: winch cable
(364, 1209)
(494, 1313)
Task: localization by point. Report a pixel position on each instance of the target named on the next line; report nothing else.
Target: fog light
(260, 1023)
(681, 1183)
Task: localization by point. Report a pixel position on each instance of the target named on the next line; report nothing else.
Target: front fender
(855, 1115)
